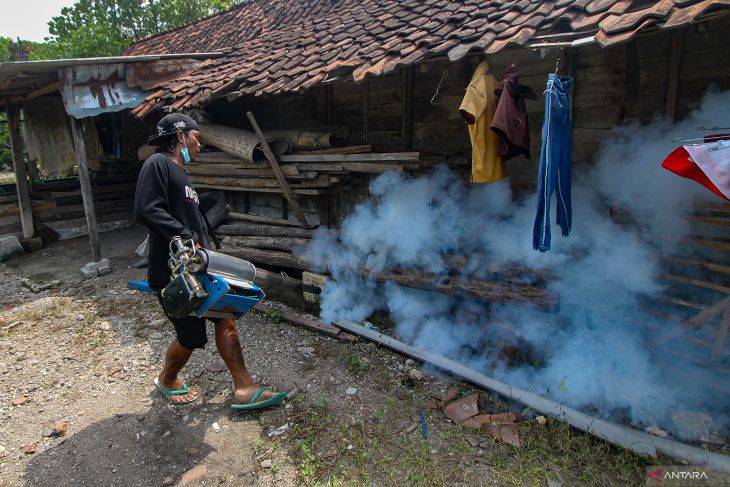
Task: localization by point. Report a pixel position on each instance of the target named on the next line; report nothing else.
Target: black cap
(172, 124)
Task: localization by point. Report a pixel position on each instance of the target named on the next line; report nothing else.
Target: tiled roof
(277, 46)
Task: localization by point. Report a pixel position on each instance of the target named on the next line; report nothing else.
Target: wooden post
(632, 81)
(721, 335)
(277, 172)
(675, 61)
(85, 181)
(366, 110)
(407, 106)
(21, 175)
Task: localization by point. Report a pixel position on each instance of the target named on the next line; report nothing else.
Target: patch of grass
(274, 316)
(355, 365)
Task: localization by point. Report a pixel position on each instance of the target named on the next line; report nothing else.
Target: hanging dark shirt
(510, 119)
(166, 203)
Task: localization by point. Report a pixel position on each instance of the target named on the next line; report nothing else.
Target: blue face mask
(184, 151)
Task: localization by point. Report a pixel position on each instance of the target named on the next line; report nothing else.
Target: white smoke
(591, 352)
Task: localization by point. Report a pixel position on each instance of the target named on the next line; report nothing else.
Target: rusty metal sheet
(90, 90)
(148, 75)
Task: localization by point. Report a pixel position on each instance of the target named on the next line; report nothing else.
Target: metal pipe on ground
(634, 440)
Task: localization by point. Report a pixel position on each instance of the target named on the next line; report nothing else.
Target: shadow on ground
(125, 450)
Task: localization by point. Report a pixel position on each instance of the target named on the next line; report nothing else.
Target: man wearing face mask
(167, 204)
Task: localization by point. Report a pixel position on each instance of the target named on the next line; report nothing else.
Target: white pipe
(634, 440)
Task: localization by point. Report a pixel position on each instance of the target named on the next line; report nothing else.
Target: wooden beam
(262, 219)
(262, 230)
(675, 61)
(366, 111)
(86, 194)
(721, 335)
(371, 157)
(407, 106)
(43, 90)
(21, 175)
(277, 170)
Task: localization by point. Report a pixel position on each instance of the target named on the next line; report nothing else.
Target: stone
(20, 400)
(351, 391)
(508, 417)
(93, 269)
(216, 367)
(279, 431)
(191, 452)
(194, 474)
(431, 404)
(47, 433)
(168, 482)
(415, 374)
(158, 323)
(306, 350)
(30, 449)
(60, 428)
(471, 439)
(553, 483)
(266, 464)
(461, 409)
(10, 246)
(541, 420)
(451, 394)
(216, 427)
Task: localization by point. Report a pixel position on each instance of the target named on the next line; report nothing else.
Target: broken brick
(461, 409)
(504, 433)
(431, 404)
(501, 418)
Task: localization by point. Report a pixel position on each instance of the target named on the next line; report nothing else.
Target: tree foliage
(107, 27)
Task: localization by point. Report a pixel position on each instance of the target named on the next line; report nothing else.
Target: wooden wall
(402, 110)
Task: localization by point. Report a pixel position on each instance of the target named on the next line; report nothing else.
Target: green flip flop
(274, 400)
(167, 393)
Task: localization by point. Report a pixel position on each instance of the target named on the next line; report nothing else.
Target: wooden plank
(21, 175)
(232, 170)
(697, 282)
(37, 205)
(366, 110)
(717, 243)
(307, 323)
(371, 157)
(285, 244)
(407, 106)
(301, 192)
(682, 302)
(364, 167)
(701, 318)
(354, 149)
(277, 170)
(698, 263)
(261, 230)
(262, 219)
(721, 337)
(86, 194)
(675, 61)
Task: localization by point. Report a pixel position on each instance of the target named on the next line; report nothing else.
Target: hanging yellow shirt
(478, 109)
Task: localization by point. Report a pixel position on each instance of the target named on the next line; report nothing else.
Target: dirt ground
(85, 354)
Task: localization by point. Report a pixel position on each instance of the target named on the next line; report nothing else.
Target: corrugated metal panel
(89, 90)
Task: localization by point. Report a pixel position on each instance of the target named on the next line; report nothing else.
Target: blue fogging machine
(205, 283)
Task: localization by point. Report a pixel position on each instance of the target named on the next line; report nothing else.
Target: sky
(28, 19)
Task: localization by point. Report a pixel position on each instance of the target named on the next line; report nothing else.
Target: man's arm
(151, 207)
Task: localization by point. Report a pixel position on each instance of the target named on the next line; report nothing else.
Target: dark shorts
(190, 330)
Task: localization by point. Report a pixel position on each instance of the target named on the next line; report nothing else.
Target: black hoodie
(167, 204)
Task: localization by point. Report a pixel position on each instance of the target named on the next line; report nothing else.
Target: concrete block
(10, 246)
(33, 244)
(93, 269)
(315, 280)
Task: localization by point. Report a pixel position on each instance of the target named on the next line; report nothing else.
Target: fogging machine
(205, 283)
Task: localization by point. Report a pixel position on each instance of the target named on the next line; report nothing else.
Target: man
(167, 204)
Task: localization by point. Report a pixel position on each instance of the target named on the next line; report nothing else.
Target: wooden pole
(85, 181)
(277, 171)
(675, 62)
(21, 175)
(366, 111)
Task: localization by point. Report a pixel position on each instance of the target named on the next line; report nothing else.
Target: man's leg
(229, 348)
(175, 359)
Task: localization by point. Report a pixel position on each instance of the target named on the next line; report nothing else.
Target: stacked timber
(270, 242)
(307, 172)
(58, 209)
